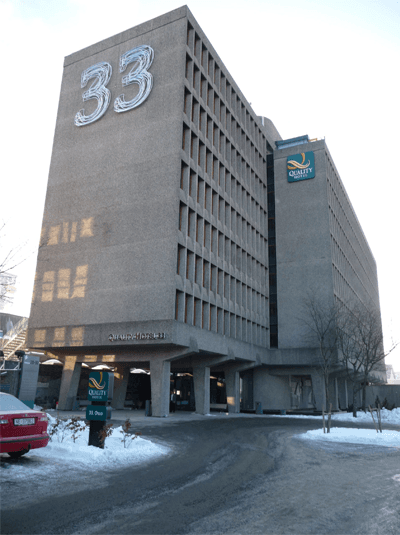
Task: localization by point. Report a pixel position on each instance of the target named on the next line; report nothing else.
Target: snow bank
(389, 417)
(114, 454)
(63, 459)
(356, 436)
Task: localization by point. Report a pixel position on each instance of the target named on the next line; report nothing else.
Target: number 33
(143, 57)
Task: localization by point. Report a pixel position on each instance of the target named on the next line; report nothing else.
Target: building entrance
(182, 392)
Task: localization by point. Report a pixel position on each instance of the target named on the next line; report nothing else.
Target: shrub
(127, 438)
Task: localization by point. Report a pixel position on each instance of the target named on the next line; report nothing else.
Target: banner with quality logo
(300, 166)
(98, 386)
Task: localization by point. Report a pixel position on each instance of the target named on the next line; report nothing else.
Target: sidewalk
(138, 416)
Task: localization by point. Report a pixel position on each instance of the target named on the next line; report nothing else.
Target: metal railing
(14, 332)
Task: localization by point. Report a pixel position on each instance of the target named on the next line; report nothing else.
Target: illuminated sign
(141, 57)
(98, 386)
(300, 166)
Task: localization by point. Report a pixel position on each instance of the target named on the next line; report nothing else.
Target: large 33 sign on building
(142, 57)
(300, 166)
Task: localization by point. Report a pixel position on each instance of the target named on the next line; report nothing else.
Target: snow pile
(389, 417)
(114, 454)
(356, 436)
(69, 462)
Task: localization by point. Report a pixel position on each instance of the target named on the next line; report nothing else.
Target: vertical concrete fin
(232, 382)
(121, 378)
(201, 379)
(69, 383)
(160, 387)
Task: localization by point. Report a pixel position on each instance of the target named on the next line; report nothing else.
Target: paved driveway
(242, 475)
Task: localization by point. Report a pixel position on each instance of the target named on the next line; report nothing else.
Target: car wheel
(16, 454)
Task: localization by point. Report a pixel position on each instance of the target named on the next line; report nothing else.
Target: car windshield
(10, 403)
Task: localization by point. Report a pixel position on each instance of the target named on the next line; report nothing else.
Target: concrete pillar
(343, 394)
(333, 394)
(201, 380)
(232, 383)
(305, 396)
(318, 386)
(160, 387)
(335, 402)
(121, 377)
(69, 383)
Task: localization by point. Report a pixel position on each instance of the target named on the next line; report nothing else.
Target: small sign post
(98, 394)
(95, 412)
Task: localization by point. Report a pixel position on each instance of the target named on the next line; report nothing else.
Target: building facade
(172, 237)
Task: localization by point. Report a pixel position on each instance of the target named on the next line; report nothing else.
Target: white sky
(326, 68)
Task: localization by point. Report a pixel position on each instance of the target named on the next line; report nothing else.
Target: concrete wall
(108, 248)
(118, 190)
(350, 250)
(390, 392)
(270, 131)
(272, 391)
(302, 243)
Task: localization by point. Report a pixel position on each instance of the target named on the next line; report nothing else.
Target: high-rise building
(180, 231)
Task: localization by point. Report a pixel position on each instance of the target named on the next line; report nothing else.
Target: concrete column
(305, 397)
(343, 394)
(201, 380)
(160, 387)
(121, 377)
(318, 386)
(232, 383)
(335, 403)
(69, 383)
(333, 394)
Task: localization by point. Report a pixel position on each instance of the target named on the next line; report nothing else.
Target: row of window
(342, 288)
(228, 155)
(202, 191)
(225, 134)
(273, 295)
(207, 68)
(337, 198)
(212, 278)
(200, 230)
(342, 261)
(204, 315)
(341, 229)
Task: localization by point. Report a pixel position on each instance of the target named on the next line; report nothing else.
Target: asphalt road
(238, 476)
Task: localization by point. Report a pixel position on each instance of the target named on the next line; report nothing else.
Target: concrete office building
(172, 238)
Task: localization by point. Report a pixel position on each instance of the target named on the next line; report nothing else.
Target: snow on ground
(389, 438)
(114, 454)
(62, 452)
(389, 417)
(62, 456)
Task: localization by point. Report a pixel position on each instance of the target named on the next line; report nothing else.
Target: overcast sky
(326, 68)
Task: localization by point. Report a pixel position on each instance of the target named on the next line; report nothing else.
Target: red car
(21, 428)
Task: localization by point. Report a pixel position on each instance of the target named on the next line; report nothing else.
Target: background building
(172, 239)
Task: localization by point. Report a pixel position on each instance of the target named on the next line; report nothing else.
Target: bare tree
(10, 258)
(370, 338)
(350, 351)
(361, 347)
(321, 321)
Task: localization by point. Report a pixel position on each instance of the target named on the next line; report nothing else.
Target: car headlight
(3, 421)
